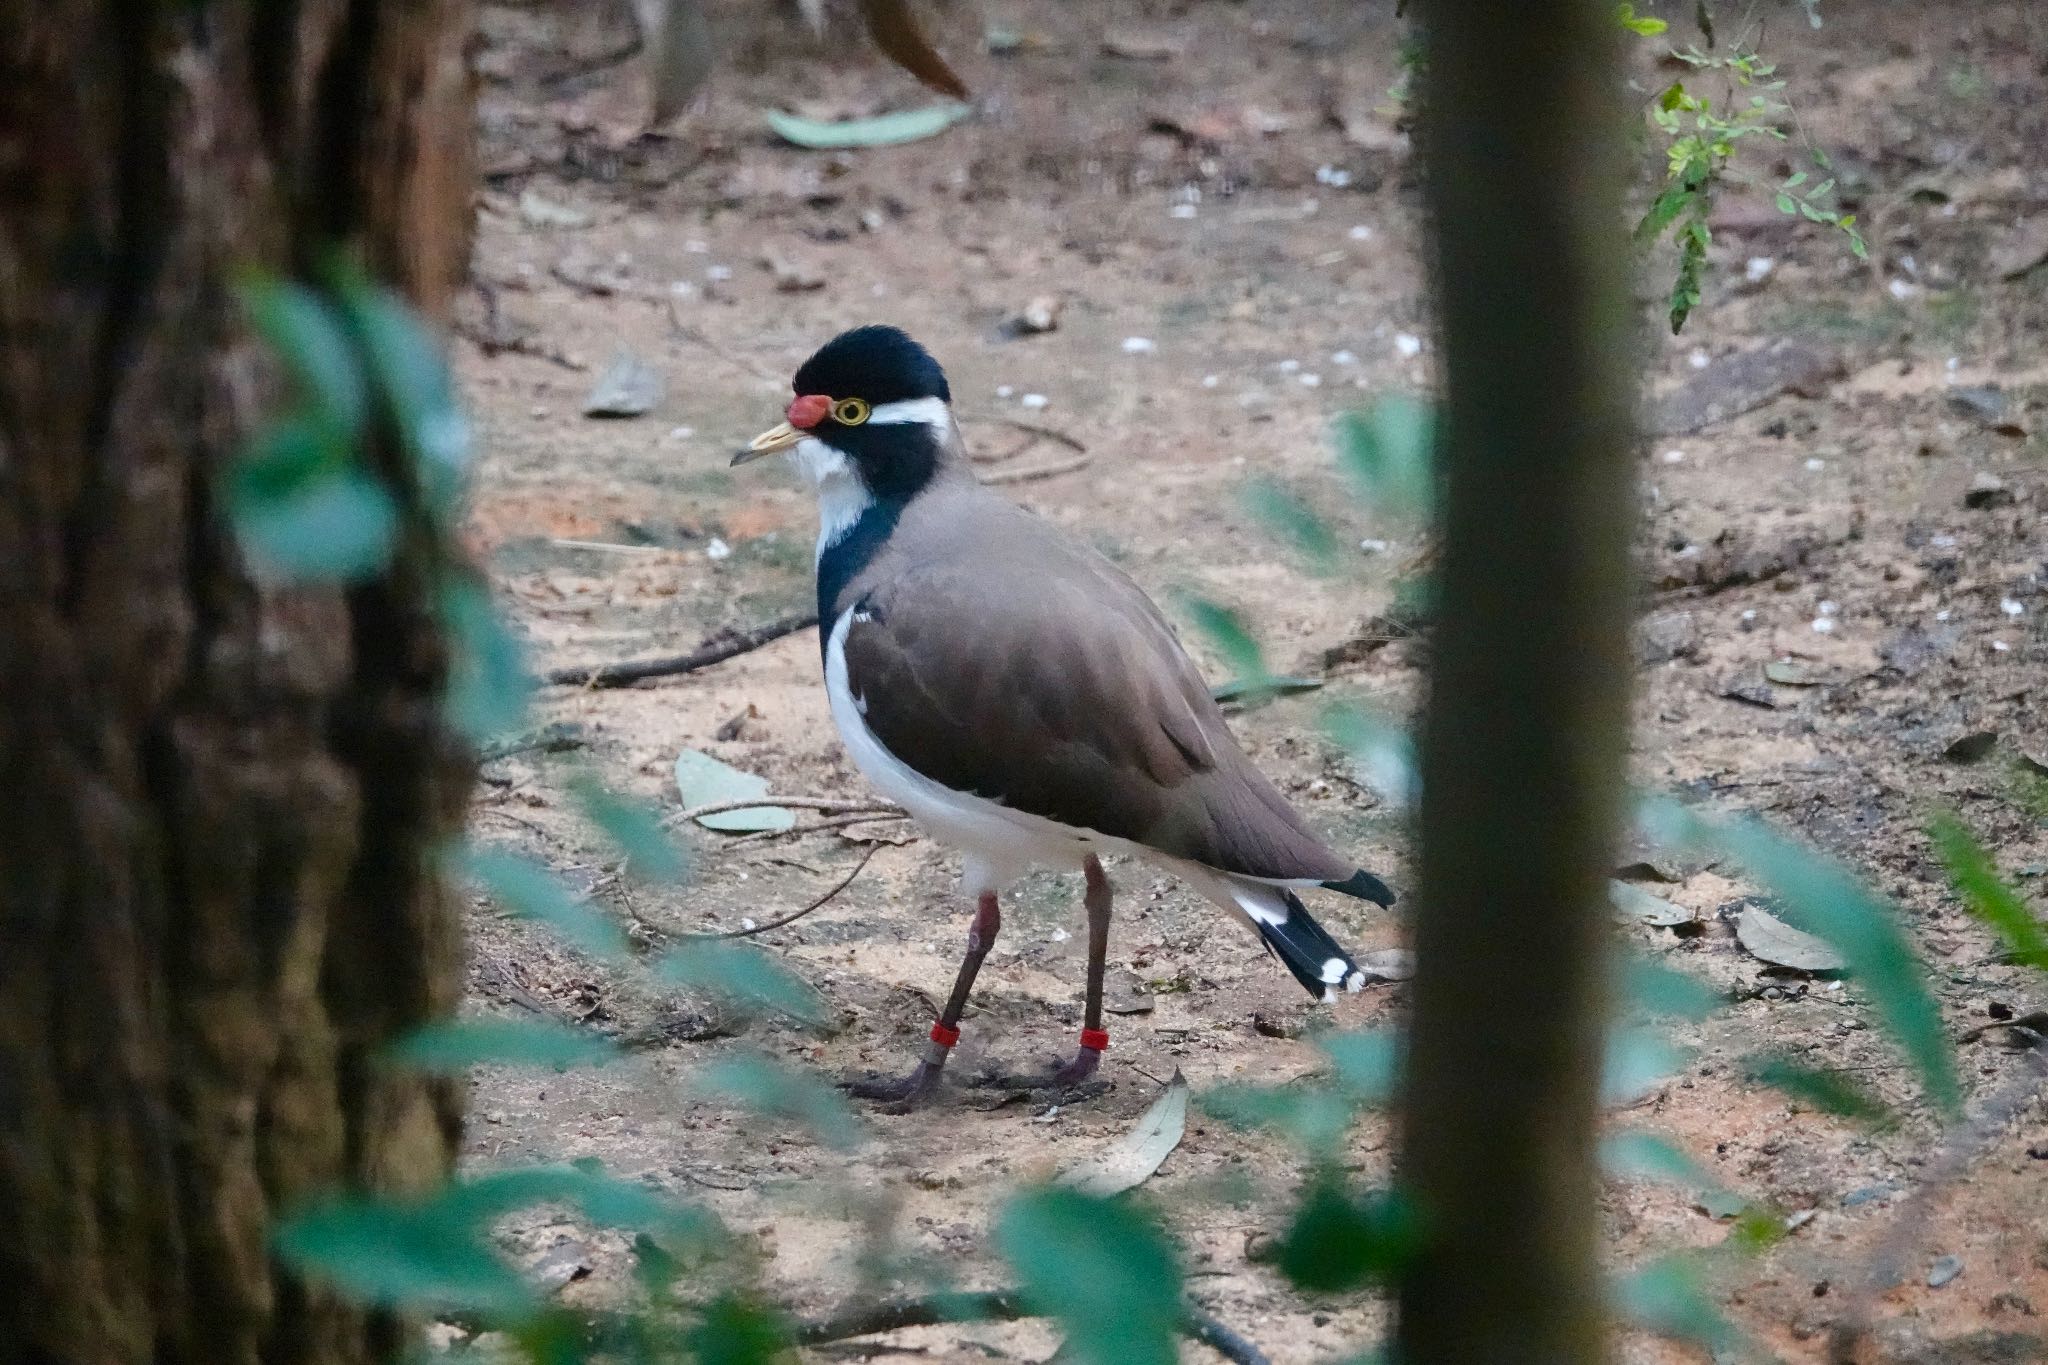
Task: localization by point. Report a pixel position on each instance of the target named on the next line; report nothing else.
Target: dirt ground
(1214, 179)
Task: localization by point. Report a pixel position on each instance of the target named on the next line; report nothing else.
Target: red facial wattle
(809, 410)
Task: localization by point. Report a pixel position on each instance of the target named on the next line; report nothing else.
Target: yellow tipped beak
(776, 439)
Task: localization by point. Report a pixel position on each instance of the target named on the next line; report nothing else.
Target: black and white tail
(1306, 949)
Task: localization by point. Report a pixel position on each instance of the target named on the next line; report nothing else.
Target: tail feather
(1362, 885)
(1306, 949)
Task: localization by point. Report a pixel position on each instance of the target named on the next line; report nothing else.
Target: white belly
(998, 844)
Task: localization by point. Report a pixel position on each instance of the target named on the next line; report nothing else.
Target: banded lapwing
(1019, 695)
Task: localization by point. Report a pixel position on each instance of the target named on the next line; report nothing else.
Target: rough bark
(214, 905)
(1526, 720)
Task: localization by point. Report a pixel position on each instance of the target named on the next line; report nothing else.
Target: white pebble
(1749, 614)
(1372, 546)
(1823, 624)
(1138, 346)
(1830, 608)
(1942, 542)
(1699, 359)
(1060, 936)
(1943, 614)
(696, 246)
(1182, 211)
(1210, 381)
(1288, 366)
(1336, 177)
(1343, 358)
(1901, 290)
(1408, 345)
(1309, 381)
(1674, 457)
(1360, 232)
(2011, 607)
(681, 433)
(1816, 465)
(1005, 390)
(717, 550)
(1952, 364)
(2000, 645)
(1759, 269)
(747, 922)
(717, 273)
(1034, 400)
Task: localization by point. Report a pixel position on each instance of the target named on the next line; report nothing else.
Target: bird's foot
(1064, 1078)
(902, 1095)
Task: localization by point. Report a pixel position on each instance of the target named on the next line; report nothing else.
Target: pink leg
(901, 1096)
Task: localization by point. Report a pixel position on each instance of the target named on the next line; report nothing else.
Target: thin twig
(1072, 443)
(831, 805)
(717, 649)
(1036, 472)
(1001, 1305)
(816, 827)
(693, 334)
(793, 917)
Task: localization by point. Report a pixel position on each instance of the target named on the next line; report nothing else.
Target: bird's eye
(850, 412)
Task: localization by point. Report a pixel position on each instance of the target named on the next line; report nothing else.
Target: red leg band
(1095, 1038)
(946, 1037)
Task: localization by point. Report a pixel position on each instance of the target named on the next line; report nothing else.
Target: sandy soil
(1239, 205)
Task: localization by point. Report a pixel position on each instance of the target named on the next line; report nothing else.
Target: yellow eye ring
(850, 412)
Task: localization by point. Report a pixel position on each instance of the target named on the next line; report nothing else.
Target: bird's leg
(1093, 1037)
(923, 1080)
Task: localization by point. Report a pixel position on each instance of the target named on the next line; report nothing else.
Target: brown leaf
(1779, 944)
(895, 31)
(679, 59)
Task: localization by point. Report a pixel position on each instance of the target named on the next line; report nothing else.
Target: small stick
(829, 804)
(1072, 443)
(838, 887)
(1036, 472)
(725, 645)
(1001, 1305)
(817, 827)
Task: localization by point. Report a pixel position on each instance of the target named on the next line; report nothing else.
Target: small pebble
(1943, 614)
(1182, 211)
(1210, 381)
(1408, 345)
(1360, 233)
(1674, 457)
(1699, 359)
(717, 550)
(1034, 400)
(696, 247)
(1288, 366)
(1138, 346)
(681, 433)
(717, 274)
(1060, 936)
(1005, 390)
(1343, 358)
(1816, 465)
(1309, 381)
(1823, 625)
(1830, 608)
(1944, 1270)
(1758, 269)
(2000, 645)
(1373, 546)
(1901, 290)
(2011, 607)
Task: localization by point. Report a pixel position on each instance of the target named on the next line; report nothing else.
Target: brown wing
(1050, 683)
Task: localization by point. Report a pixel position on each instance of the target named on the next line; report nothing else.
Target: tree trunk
(1527, 717)
(214, 901)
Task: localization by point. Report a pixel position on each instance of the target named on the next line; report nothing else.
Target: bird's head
(871, 404)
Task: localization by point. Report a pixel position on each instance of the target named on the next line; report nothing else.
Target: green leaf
(455, 1045)
(337, 524)
(1796, 179)
(409, 366)
(524, 888)
(488, 684)
(1381, 752)
(1787, 204)
(1987, 895)
(396, 1255)
(1658, 989)
(702, 781)
(1105, 1273)
(634, 827)
(1626, 16)
(1226, 630)
(1368, 1063)
(1388, 451)
(737, 1331)
(782, 1092)
(1336, 1243)
(1250, 692)
(1664, 210)
(1637, 1059)
(1645, 1156)
(883, 130)
(1311, 1116)
(1666, 1297)
(1289, 517)
(1831, 1092)
(310, 339)
(745, 978)
(1821, 897)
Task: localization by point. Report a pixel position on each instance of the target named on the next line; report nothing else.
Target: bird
(1020, 696)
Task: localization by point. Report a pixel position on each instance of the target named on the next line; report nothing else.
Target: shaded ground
(1239, 205)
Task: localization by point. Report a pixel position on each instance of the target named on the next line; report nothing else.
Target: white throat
(842, 497)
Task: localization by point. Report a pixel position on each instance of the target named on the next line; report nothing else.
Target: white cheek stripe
(931, 411)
